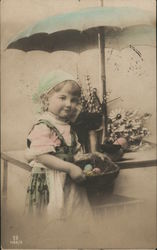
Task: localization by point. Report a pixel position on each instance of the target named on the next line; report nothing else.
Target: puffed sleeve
(42, 140)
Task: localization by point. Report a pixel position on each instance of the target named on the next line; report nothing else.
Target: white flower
(146, 116)
(120, 128)
(136, 125)
(129, 125)
(117, 115)
(131, 114)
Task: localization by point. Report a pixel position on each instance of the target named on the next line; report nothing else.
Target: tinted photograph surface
(78, 127)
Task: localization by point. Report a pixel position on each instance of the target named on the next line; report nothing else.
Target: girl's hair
(75, 90)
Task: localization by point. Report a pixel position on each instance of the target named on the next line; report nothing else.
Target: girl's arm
(53, 162)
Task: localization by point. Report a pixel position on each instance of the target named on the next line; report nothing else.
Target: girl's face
(64, 102)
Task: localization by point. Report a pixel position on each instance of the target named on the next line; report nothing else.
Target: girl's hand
(76, 173)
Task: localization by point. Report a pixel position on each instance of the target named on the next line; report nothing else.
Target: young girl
(52, 149)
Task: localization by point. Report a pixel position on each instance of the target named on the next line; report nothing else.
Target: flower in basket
(129, 125)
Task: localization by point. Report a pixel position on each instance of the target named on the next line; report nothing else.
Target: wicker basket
(101, 181)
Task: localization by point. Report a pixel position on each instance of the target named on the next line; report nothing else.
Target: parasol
(102, 27)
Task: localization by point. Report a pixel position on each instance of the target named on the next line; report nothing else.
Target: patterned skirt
(38, 190)
(53, 193)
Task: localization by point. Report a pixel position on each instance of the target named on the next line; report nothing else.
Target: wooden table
(130, 160)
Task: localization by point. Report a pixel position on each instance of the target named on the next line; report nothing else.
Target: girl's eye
(62, 97)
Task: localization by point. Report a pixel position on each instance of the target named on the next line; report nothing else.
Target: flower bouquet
(90, 117)
(128, 126)
(88, 124)
(91, 113)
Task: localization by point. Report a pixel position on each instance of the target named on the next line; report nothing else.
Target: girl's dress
(49, 190)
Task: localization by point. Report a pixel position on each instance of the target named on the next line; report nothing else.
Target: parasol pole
(101, 45)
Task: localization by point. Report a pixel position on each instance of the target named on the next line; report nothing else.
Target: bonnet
(49, 81)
